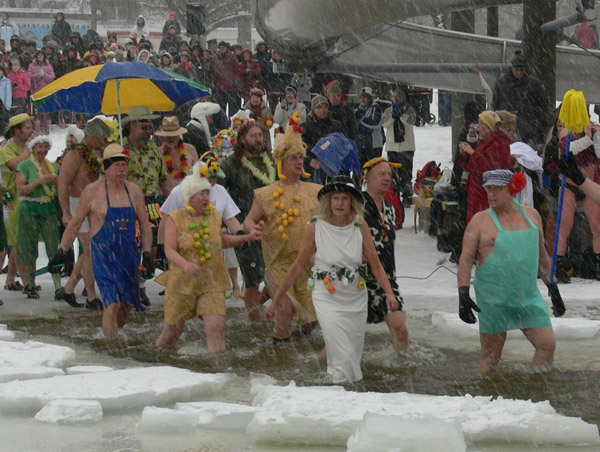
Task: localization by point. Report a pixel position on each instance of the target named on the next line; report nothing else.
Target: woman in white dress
(339, 239)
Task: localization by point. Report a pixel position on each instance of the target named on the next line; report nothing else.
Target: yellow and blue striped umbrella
(106, 87)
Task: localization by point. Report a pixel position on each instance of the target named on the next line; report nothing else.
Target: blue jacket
(6, 92)
(369, 126)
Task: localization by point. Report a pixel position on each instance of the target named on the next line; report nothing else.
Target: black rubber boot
(31, 293)
(562, 270)
(72, 300)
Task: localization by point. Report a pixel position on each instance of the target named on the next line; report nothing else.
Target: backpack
(430, 170)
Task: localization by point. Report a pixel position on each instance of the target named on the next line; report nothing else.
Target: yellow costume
(280, 252)
(188, 297)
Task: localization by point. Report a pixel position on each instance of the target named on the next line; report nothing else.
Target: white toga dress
(342, 315)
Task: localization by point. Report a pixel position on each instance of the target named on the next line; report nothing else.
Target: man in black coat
(318, 124)
(522, 93)
(342, 112)
(61, 30)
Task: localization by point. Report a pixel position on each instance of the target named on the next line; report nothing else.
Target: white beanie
(194, 183)
(76, 132)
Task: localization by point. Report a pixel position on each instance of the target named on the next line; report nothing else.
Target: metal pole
(119, 109)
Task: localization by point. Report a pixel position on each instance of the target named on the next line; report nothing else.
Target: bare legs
(83, 267)
(542, 339)
(396, 322)
(214, 327)
(113, 318)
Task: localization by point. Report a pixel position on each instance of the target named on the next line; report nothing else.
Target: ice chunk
(574, 328)
(383, 433)
(290, 415)
(259, 380)
(34, 353)
(166, 420)
(115, 390)
(70, 411)
(6, 334)
(76, 370)
(27, 373)
(219, 415)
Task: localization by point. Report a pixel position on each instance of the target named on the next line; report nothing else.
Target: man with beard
(286, 207)
(80, 167)
(146, 168)
(113, 205)
(249, 168)
(178, 156)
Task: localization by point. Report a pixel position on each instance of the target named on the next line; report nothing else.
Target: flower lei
(201, 235)
(267, 179)
(90, 158)
(287, 216)
(50, 190)
(343, 274)
(169, 161)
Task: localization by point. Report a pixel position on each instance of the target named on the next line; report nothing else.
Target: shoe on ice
(72, 300)
(94, 305)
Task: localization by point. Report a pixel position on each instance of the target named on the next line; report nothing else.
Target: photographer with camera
(287, 107)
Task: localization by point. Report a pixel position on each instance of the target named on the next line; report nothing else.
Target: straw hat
(15, 121)
(139, 113)
(170, 127)
(114, 150)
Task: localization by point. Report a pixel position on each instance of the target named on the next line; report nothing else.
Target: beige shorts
(85, 226)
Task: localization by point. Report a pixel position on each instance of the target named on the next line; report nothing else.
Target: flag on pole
(487, 91)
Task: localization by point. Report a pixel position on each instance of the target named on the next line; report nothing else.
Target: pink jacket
(23, 82)
(39, 81)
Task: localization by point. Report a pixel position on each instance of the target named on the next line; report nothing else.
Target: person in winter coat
(303, 84)
(172, 22)
(140, 28)
(170, 39)
(522, 93)
(77, 42)
(5, 88)
(8, 28)
(371, 138)
(71, 61)
(341, 111)
(225, 71)
(250, 71)
(261, 113)
(318, 124)
(61, 30)
(21, 84)
(166, 61)
(288, 107)
(399, 121)
(53, 57)
(41, 73)
(492, 152)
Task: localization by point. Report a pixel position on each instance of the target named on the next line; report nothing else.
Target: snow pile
(35, 354)
(187, 416)
(257, 381)
(5, 334)
(329, 415)
(70, 412)
(381, 433)
(575, 328)
(114, 390)
(166, 420)
(28, 373)
(76, 370)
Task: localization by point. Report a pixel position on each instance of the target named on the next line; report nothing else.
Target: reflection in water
(429, 369)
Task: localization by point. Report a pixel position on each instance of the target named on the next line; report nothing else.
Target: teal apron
(506, 284)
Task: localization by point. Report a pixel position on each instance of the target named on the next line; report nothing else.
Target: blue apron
(116, 257)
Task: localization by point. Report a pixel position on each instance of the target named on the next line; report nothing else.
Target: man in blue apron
(508, 242)
(113, 205)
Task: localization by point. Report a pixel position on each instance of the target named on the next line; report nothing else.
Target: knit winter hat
(518, 59)
(195, 182)
(318, 100)
(490, 119)
(333, 88)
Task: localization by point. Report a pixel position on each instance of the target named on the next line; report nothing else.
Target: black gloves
(571, 169)
(558, 307)
(466, 306)
(147, 268)
(58, 261)
(161, 262)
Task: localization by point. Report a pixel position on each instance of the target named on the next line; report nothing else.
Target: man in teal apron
(507, 241)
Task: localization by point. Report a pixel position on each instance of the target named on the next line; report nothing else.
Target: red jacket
(22, 81)
(225, 71)
(250, 71)
(490, 154)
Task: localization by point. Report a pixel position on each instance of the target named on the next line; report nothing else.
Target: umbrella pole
(119, 110)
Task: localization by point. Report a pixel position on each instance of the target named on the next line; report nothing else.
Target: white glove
(41, 72)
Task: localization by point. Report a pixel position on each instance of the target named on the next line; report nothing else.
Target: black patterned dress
(384, 234)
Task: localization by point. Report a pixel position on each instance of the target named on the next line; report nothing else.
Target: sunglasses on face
(146, 127)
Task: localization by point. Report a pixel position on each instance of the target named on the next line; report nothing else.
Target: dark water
(427, 369)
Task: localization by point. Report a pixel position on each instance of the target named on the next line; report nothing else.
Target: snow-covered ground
(64, 397)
